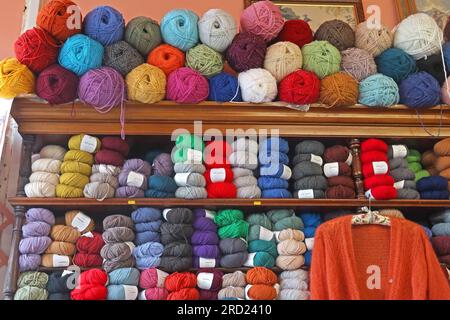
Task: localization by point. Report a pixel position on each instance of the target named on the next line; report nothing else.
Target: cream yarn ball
(53, 152)
(40, 190)
(39, 176)
(373, 40)
(217, 29)
(419, 36)
(283, 58)
(257, 86)
(46, 165)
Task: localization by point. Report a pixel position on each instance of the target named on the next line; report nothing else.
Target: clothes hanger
(367, 216)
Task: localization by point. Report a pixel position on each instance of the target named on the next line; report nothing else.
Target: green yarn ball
(279, 214)
(254, 233)
(322, 58)
(33, 278)
(260, 219)
(190, 141)
(263, 246)
(415, 166)
(292, 222)
(143, 34)
(421, 174)
(31, 293)
(413, 156)
(238, 229)
(205, 60)
(181, 155)
(264, 259)
(228, 216)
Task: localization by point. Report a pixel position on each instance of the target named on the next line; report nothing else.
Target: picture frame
(316, 12)
(438, 9)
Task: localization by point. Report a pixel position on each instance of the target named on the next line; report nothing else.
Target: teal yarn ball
(263, 246)
(117, 292)
(396, 63)
(80, 54)
(378, 91)
(179, 28)
(322, 58)
(263, 259)
(124, 276)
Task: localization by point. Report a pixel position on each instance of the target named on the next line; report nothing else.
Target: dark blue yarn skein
(420, 90)
(104, 24)
(162, 183)
(434, 66)
(446, 50)
(396, 63)
(224, 87)
(432, 183)
(266, 183)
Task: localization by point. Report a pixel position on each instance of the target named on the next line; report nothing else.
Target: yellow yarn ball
(75, 142)
(63, 191)
(74, 180)
(76, 167)
(15, 78)
(283, 58)
(80, 156)
(146, 84)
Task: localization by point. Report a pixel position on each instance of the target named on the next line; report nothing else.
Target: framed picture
(438, 9)
(315, 12)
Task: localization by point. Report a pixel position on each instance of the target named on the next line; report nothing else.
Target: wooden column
(25, 164)
(355, 147)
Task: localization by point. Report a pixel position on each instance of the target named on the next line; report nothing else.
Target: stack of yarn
(176, 234)
(379, 185)
(233, 286)
(433, 188)
(187, 155)
(338, 160)
(310, 182)
(182, 286)
(148, 250)
(79, 221)
(414, 157)
(311, 222)
(205, 241)
(133, 179)
(109, 161)
(404, 177)
(91, 286)
(294, 285)
(441, 232)
(152, 283)
(209, 283)
(161, 184)
(77, 166)
(45, 172)
(442, 162)
(35, 238)
(88, 248)
(233, 231)
(118, 235)
(218, 175)
(262, 284)
(262, 247)
(123, 284)
(244, 160)
(62, 248)
(274, 170)
(59, 285)
(31, 285)
(428, 161)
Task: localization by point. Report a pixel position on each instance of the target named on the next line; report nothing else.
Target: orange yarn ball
(167, 58)
(261, 275)
(262, 292)
(184, 294)
(339, 90)
(180, 280)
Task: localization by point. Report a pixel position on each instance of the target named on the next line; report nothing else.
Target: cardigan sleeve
(318, 275)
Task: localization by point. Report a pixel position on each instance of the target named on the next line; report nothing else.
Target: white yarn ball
(51, 178)
(258, 86)
(53, 152)
(40, 190)
(46, 165)
(283, 58)
(244, 159)
(245, 144)
(106, 169)
(419, 36)
(98, 190)
(217, 29)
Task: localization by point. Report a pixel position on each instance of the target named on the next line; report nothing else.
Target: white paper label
(287, 173)
(142, 295)
(306, 194)
(81, 221)
(399, 151)
(66, 272)
(309, 242)
(165, 212)
(265, 234)
(181, 179)
(88, 144)
(399, 184)
(130, 245)
(210, 214)
(131, 292)
(380, 167)
(368, 195)
(316, 159)
(194, 156)
(277, 235)
(60, 261)
(249, 261)
(135, 179)
(217, 175)
(88, 235)
(205, 280)
(206, 263)
(349, 160)
(161, 278)
(331, 169)
(247, 288)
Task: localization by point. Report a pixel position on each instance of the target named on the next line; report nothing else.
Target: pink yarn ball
(151, 278)
(185, 85)
(155, 294)
(446, 92)
(264, 19)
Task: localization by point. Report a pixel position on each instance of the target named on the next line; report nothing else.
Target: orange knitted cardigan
(375, 262)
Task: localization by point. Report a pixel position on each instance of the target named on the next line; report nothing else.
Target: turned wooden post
(25, 164)
(355, 147)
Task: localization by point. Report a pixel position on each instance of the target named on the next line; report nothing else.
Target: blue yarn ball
(311, 219)
(276, 194)
(396, 64)
(146, 215)
(126, 276)
(149, 249)
(147, 236)
(441, 229)
(224, 87)
(117, 292)
(268, 144)
(80, 54)
(104, 24)
(179, 28)
(274, 169)
(158, 194)
(446, 50)
(148, 226)
(309, 231)
(162, 183)
(420, 90)
(432, 183)
(266, 183)
(308, 258)
(147, 262)
(378, 91)
(270, 157)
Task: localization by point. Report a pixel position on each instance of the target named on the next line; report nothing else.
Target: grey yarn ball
(391, 151)
(143, 34)
(122, 57)
(310, 146)
(440, 217)
(232, 245)
(179, 215)
(192, 168)
(241, 172)
(398, 163)
(311, 182)
(441, 229)
(294, 283)
(235, 279)
(234, 260)
(243, 159)
(111, 265)
(408, 184)
(408, 194)
(174, 264)
(402, 174)
(245, 144)
(250, 192)
(117, 220)
(177, 249)
(231, 292)
(299, 274)
(191, 193)
(118, 234)
(306, 169)
(245, 181)
(175, 233)
(306, 157)
(318, 194)
(193, 180)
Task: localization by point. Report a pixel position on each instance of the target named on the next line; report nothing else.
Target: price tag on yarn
(205, 280)
(306, 194)
(88, 144)
(250, 258)
(194, 156)
(88, 235)
(399, 151)
(130, 245)
(181, 179)
(131, 202)
(66, 272)
(206, 263)
(142, 295)
(265, 234)
(81, 221)
(277, 235)
(130, 292)
(331, 169)
(380, 167)
(287, 173)
(217, 175)
(369, 195)
(165, 212)
(135, 179)
(162, 275)
(247, 288)
(209, 214)
(349, 160)
(60, 261)
(309, 242)
(399, 184)
(316, 159)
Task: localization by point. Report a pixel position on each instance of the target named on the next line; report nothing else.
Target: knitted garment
(342, 252)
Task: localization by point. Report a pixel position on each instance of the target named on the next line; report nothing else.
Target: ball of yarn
(179, 29)
(446, 92)
(180, 280)
(80, 54)
(373, 40)
(300, 87)
(152, 278)
(420, 90)
(257, 86)
(396, 63)
(261, 275)
(75, 143)
(224, 87)
(262, 18)
(15, 78)
(57, 85)
(31, 293)
(33, 279)
(336, 32)
(122, 57)
(339, 90)
(55, 18)
(296, 31)
(221, 190)
(124, 276)
(90, 245)
(162, 165)
(185, 85)
(102, 88)
(116, 144)
(72, 217)
(217, 29)
(433, 65)
(247, 51)
(79, 156)
(64, 233)
(29, 262)
(167, 58)
(358, 63)
(104, 24)
(418, 35)
(61, 248)
(146, 84)
(322, 58)
(204, 60)
(36, 49)
(283, 58)
(143, 34)
(214, 283)
(378, 91)
(109, 157)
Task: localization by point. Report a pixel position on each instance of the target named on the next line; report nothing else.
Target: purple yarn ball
(206, 251)
(420, 90)
(36, 229)
(247, 51)
(129, 192)
(204, 238)
(138, 165)
(204, 224)
(163, 165)
(29, 262)
(40, 214)
(34, 245)
(203, 213)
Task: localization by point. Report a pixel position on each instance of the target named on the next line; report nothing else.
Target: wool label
(194, 156)
(161, 278)
(206, 263)
(369, 195)
(399, 151)
(277, 235)
(349, 160)
(135, 179)
(142, 295)
(316, 159)
(331, 169)
(88, 235)
(130, 245)
(130, 292)
(265, 234)
(60, 261)
(309, 242)
(306, 194)
(209, 214)
(181, 179)
(399, 184)
(247, 288)
(380, 167)
(81, 221)
(205, 280)
(88, 144)
(287, 173)
(217, 175)
(165, 212)
(249, 261)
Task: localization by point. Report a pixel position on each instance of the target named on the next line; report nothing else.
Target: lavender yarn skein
(34, 245)
(28, 262)
(163, 165)
(129, 192)
(138, 165)
(35, 229)
(40, 214)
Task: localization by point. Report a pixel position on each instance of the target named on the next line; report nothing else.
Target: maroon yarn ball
(216, 283)
(110, 157)
(116, 144)
(296, 31)
(57, 85)
(247, 51)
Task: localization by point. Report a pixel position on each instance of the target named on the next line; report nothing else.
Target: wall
(11, 13)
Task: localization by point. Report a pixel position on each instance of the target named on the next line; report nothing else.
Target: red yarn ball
(300, 87)
(89, 292)
(372, 156)
(94, 276)
(87, 260)
(374, 145)
(217, 152)
(180, 280)
(221, 190)
(110, 157)
(225, 169)
(90, 245)
(36, 49)
(296, 31)
(57, 85)
(383, 193)
(377, 181)
(116, 144)
(184, 294)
